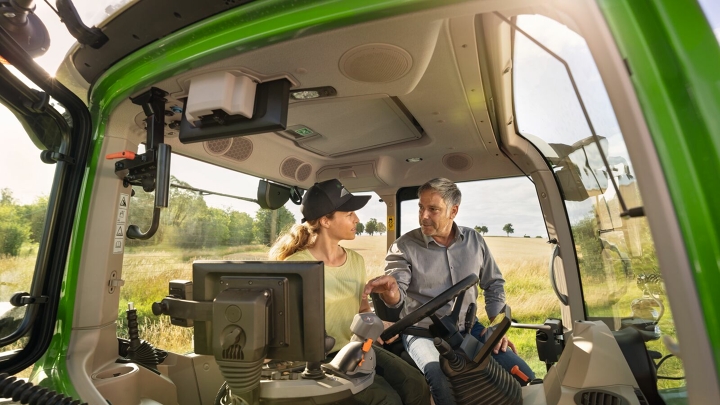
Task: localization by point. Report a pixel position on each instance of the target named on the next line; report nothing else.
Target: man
(425, 262)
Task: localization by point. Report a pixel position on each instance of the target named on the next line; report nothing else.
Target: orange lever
(126, 154)
(516, 371)
(367, 345)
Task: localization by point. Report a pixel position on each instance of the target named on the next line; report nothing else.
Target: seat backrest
(382, 311)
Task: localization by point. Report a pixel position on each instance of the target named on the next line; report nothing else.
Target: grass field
(523, 261)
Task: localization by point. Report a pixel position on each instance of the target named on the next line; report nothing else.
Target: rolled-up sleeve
(398, 266)
(492, 283)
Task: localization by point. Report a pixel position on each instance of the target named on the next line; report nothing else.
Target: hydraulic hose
(27, 393)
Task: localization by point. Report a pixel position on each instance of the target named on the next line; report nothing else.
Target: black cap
(329, 196)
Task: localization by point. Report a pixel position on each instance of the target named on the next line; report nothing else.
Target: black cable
(52, 8)
(657, 366)
(663, 377)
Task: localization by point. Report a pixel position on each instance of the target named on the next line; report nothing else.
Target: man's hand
(386, 286)
(503, 344)
(392, 339)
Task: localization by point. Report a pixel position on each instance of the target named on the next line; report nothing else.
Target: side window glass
(195, 226)
(200, 226)
(621, 281)
(25, 185)
(507, 213)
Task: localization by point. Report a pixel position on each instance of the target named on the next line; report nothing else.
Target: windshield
(585, 147)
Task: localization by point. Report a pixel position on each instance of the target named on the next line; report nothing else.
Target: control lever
(358, 356)
(470, 317)
(454, 361)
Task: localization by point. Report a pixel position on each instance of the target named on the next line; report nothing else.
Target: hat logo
(343, 192)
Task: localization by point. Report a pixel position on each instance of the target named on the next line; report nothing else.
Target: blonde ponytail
(299, 237)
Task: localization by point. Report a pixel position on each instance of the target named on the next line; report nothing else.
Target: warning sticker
(391, 223)
(118, 245)
(120, 221)
(123, 200)
(122, 216)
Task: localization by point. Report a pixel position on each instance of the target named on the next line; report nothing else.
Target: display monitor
(261, 305)
(269, 115)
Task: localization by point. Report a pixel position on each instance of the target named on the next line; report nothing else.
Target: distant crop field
(523, 262)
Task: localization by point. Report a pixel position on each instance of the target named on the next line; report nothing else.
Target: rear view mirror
(272, 195)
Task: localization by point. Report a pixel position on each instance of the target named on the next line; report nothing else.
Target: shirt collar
(458, 235)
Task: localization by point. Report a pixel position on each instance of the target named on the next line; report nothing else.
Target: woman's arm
(365, 305)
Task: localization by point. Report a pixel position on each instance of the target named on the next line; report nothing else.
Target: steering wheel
(429, 307)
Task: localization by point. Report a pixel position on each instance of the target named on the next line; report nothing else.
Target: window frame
(39, 321)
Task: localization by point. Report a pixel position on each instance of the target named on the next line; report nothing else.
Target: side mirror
(272, 195)
(19, 21)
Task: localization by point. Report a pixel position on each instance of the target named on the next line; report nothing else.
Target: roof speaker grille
(457, 162)
(240, 150)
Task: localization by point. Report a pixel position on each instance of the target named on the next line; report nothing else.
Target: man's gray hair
(447, 190)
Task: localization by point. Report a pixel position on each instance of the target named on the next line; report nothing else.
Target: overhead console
(337, 127)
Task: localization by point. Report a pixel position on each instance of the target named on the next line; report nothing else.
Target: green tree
(14, 231)
(381, 228)
(240, 226)
(6, 197)
(359, 228)
(215, 228)
(262, 226)
(482, 229)
(34, 216)
(371, 226)
(183, 203)
(588, 246)
(508, 229)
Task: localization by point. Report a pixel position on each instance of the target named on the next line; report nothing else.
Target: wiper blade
(207, 192)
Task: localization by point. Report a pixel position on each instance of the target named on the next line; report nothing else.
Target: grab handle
(562, 297)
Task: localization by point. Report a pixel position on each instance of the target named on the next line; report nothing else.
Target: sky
(490, 203)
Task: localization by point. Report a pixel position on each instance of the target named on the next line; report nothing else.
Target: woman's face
(342, 225)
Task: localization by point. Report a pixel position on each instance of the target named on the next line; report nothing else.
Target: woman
(328, 217)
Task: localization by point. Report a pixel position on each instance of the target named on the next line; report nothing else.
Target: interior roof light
(312, 93)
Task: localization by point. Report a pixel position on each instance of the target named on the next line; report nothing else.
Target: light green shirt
(343, 290)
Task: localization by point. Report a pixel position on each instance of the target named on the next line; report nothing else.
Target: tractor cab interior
(531, 95)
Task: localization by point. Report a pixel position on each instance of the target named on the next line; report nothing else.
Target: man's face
(435, 217)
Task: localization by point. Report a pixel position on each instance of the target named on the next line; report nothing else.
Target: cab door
(45, 140)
